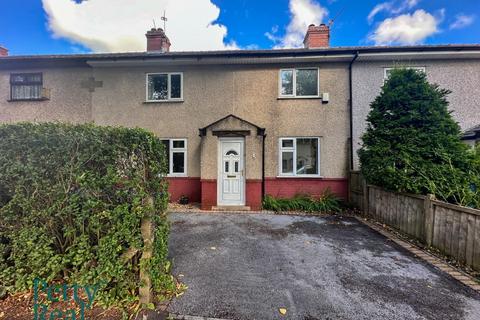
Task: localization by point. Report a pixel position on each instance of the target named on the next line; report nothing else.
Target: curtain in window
(26, 91)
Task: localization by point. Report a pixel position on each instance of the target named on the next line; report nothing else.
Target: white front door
(231, 179)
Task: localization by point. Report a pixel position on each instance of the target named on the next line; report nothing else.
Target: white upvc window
(298, 83)
(299, 157)
(164, 87)
(387, 71)
(176, 156)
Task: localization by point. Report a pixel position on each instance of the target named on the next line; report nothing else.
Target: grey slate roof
(244, 53)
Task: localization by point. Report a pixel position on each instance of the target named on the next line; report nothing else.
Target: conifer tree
(412, 144)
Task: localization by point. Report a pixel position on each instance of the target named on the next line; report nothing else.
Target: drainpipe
(351, 108)
(263, 165)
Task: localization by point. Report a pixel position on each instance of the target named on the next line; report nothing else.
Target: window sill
(177, 175)
(302, 177)
(27, 100)
(295, 98)
(163, 101)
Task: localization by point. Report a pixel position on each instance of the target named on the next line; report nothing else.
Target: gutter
(351, 106)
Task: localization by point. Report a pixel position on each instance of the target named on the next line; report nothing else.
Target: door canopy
(232, 126)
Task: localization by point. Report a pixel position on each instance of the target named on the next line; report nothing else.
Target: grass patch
(326, 203)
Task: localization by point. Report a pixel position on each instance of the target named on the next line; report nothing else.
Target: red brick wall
(253, 194)
(289, 187)
(189, 186)
(209, 193)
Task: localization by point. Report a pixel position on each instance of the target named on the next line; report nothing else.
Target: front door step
(231, 208)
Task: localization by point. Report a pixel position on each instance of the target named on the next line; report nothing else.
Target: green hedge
(326, 203)
(71, 202)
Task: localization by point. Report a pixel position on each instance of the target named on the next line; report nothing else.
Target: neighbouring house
(472, 135)
(237, 124)
(453, 67)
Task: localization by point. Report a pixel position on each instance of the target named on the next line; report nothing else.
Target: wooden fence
(452, 229)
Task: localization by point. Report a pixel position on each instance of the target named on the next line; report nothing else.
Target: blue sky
(68, 26)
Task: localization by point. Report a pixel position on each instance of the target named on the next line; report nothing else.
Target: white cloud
(302, 14)
(392, 7)
(120, 25)
(377, 9)
(462, 21)
(406, 28)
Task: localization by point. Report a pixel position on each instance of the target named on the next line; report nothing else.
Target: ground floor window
(299, 156)
(26, 86)
(176, 156)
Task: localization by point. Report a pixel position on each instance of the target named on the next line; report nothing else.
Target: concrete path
(247, 266)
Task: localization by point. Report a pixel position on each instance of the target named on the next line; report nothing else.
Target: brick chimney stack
(157, 40)
(317, 36)
(3, 52)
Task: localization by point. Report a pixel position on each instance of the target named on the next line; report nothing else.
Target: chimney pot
(317, 36)
(157, 40)
(3, 51)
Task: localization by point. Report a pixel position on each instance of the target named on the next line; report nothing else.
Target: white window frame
(171, 151)
(386, 69)
(294, 91)
(169, 87)
(294, 149)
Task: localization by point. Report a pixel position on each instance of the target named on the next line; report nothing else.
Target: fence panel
(452, 229)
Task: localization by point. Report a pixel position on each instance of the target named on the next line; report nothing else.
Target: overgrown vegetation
(326, 203)
(412, 144)
(71, 201)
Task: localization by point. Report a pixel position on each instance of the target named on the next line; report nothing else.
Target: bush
(326, 203)
(71, 201)
(412, 144)
(475, 185)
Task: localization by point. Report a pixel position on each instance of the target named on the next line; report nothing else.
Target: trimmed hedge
(71, 201)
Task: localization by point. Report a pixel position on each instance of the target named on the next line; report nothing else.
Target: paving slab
(247, 266)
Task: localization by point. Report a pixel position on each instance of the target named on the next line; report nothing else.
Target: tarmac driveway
(247, 266)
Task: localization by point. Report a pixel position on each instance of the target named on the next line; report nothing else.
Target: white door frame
(220, 164)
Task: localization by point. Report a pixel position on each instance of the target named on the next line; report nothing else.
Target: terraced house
(237, 124)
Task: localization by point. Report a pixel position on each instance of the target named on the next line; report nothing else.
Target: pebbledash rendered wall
(69, 101)
(249, 92)
(210, 93)
(461, 76)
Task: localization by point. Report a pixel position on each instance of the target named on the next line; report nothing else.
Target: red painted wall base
(209, 193)
(188, 186)
(253, 194)
(205, 190)
(289, 187)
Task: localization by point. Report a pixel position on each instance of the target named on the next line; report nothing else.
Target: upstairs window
(299, 83)
(26, 86)
(164, 87)
(299, 156)
(388, 71)
(176, 156)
